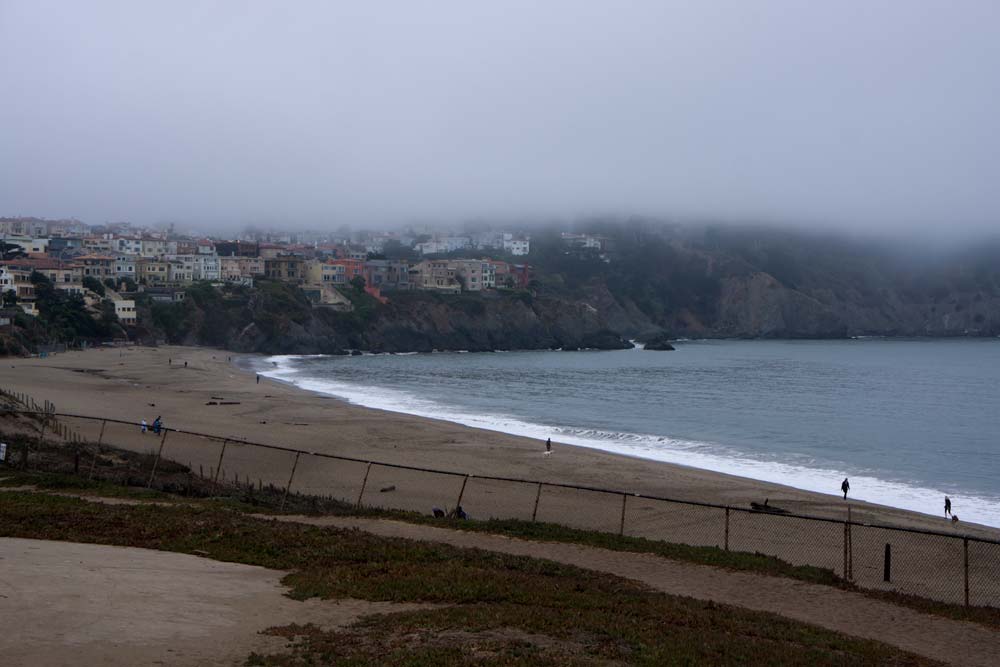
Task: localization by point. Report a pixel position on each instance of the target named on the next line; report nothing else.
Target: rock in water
(659, 344)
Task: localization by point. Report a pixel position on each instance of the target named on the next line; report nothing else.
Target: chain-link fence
(955, 568)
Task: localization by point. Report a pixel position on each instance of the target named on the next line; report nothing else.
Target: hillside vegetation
(649, 282)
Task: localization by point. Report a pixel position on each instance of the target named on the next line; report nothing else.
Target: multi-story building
(97, 266)
(207, 267)
(475, 275)
(240, 270)
(387, 274)
(153, 247)
(97, 244)
(517, 246)
(181, 269)
(151, 271)
(127, 245)
(125, 310)
(125, 266)
(237, 249)
(288, 268)
(438, 275)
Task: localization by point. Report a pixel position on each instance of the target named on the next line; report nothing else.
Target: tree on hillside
(94, 285)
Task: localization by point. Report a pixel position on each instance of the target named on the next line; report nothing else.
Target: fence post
(458, 503)
(850, 546)
(364, 483)
(965, 550)
(887, 564)
(156, 461)
(621, 525)
(289, 486)
(97, 450)
(845, 550)
(219, 467)
(727, 528)
(538, 495)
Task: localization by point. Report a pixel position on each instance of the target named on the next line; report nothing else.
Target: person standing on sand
(947, 506)
(548, 446)
(258, 378)
(145, 426)
(845, 486)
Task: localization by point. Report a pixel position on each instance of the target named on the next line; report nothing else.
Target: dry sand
(63, 603)
(132, 384)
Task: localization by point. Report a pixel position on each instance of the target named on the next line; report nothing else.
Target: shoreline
(909, 495)
(131, 383)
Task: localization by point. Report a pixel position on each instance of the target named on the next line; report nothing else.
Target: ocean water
(907, 420)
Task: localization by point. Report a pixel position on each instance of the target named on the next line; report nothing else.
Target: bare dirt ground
(952, 642)
(63, 603)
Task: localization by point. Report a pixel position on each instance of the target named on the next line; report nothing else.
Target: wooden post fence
(458, 503)
(364, 483)
(219, 467)
(290, 477)
(538, 496)
(156, 461)
(727, 529)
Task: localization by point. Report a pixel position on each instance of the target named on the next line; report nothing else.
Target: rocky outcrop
(409, 322)
(416, 322)
(659, 343)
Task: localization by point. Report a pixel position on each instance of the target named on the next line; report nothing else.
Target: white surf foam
(707, 456)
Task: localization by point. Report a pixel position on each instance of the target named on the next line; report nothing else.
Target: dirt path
(63, 603)
(953, 642)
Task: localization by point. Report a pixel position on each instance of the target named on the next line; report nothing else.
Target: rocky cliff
(278, 320)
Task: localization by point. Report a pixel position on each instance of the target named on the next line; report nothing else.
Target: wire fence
(948, 567)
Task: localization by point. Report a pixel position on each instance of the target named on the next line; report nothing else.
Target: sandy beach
(180, 383)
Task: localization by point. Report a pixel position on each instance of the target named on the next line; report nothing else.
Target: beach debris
(385, 489)
(218, 398)
(767, 507)
(438, 513)
(212, 403)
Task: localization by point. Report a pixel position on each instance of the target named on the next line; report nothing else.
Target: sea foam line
(702, 455)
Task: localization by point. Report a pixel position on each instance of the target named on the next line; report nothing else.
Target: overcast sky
(865, 115)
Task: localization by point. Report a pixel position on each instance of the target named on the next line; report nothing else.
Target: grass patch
(502, 609)
(238, 500)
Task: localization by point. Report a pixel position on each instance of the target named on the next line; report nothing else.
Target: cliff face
(760, 306)
(413, 322)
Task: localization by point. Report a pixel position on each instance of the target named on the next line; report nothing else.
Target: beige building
(125, 310)
(152, 271)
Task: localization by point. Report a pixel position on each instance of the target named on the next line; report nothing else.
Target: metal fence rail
(949, 567)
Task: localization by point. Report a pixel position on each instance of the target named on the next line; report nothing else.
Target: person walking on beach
(947, 506)
(258, 378)
(845, 486)
(145, 426)
(157, 424)
(548, 446)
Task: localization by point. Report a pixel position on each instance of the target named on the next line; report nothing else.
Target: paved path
(63, 604)
(953, 642)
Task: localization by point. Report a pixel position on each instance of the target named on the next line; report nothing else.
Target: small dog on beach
(954, 518)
